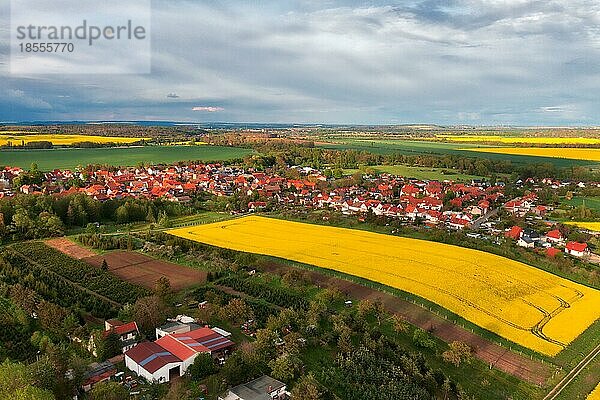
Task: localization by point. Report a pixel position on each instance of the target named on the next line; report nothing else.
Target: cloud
(208, 109)
(347, 61)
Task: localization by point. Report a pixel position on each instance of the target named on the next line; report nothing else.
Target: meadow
(439, 174)
(21, 138)
(520, 139)
(118, 156)
(525, 305)
(546, 152)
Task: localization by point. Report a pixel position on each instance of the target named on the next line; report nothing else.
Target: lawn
(118, 156)
(425, 173)
(504, 296)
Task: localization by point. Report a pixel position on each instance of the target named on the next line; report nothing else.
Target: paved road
(477, 223)
(573, 374)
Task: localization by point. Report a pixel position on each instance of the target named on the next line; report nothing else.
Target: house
(128, 333)
(526, 241)
(263, 388)
(514, 233)
(256, 205)
(577, 249)
(171, 355)
(554, 236)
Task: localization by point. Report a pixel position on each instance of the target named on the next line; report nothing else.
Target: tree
(109, 391)
(108, 345)
(423, 339)
(457, 353)
(400, 324)
(16, 383)
(104, 265)
(237, 311)
(162, 287)
(149, 312)
(285, 368)
(307, 388)
(202, 367)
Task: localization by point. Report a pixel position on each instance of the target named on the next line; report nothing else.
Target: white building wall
(157, 375)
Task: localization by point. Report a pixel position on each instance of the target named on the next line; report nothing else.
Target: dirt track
(491, 353)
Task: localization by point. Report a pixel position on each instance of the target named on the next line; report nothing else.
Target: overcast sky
(475, 62)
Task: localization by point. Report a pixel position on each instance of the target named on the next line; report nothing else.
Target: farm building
(171, 355)
(263, 388)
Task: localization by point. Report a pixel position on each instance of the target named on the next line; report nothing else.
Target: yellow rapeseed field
(553, 152)
(520, 139)
(595, 395)
(591, 226)
(60, 139)
(536, 309)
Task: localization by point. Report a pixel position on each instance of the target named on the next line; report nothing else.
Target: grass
(423, 173)
(118, 156)
(412, 147)
(590, 202)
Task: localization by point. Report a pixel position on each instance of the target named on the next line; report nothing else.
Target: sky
(476, 62)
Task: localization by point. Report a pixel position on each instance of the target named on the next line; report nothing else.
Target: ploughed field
(142, 270)
(523, 304)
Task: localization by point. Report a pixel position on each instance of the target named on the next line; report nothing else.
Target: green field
(424, 173)
(590, 202)
(416, 147)
(117, 156)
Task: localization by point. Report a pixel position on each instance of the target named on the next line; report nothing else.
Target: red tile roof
(576, 246)
(151, 356)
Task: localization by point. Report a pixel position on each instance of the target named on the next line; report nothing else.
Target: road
(573, 374)
(477, 223)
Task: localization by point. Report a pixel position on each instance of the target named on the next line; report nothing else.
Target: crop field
(546, 152)
(520, 139)
(577, 201)
(117, 156)
(142, 270)
(18, 139)
(528, 306)
(590, 226)
(595, 395)
(421, 147)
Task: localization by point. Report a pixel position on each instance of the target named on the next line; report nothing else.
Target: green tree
(202, 367)
(108, 391)
(307, 388)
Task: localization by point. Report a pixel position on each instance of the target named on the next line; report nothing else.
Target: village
(476, 207)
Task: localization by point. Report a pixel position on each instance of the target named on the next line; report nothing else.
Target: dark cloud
(510, 62)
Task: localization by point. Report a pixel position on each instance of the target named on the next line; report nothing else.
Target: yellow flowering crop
(60, 139)
(590, 226)
(552, 152)
(526, 305)
(520, 139)
(595, 395)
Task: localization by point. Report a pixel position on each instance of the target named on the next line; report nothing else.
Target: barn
(171, 355)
